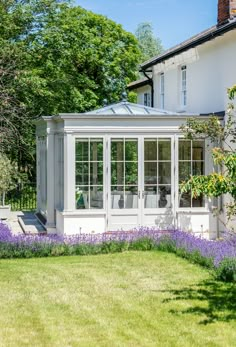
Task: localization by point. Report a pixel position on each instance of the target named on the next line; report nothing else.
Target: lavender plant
(211, 254)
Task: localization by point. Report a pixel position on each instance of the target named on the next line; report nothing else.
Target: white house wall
(209, 74)
(141, 92)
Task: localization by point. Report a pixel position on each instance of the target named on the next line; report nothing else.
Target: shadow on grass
(215, 301)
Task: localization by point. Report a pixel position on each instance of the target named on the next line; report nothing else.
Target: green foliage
(148, 43)
(79, 59)
(223, 137)
(56, 58)
(227, 270)
(8, 175)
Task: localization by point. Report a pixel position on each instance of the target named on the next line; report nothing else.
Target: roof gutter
(211, 35)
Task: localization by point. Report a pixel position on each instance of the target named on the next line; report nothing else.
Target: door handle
(139, 194)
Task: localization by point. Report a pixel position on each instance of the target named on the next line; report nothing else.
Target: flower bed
(217, 255)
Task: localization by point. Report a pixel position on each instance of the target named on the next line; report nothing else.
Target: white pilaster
(69, 172)
(51, 224)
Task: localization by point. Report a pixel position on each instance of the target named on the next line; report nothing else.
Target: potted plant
(7, 183)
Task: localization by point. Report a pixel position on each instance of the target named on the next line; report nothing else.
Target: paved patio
(24, 222)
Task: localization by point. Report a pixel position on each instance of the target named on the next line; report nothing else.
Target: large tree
(78, 59)
(149, 45)
(57, 58)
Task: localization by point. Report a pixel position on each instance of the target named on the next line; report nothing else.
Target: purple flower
(215, 251)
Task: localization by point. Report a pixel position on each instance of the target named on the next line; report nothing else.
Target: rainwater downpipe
(150, 81)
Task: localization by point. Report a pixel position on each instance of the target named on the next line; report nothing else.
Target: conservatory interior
(119, 168)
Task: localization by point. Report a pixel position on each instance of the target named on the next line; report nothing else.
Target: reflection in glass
(82, 197)
(81, 174)
(96, 150)
(96, 197)
(81, 150)
(131, 150)
(164, 173)
(198, 168)
(150, 149)
(164, 149)
(185, 199)
(117, 173)
(198, 202)
(165, 196)
(117, 197)
(151, 197)
(131, 197)
(96, 173)
(184, 171)
(131, 173)
(117, 150)
(198, 150)
(184, 150)
(150, 173)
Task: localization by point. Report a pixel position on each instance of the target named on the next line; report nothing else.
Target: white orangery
(118, 168)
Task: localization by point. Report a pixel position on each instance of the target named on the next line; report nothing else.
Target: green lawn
(129, 299)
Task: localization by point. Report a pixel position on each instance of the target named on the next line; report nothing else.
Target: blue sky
(173, 20)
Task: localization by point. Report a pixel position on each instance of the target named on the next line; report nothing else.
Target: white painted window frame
(205, 207)
(162, 90)
(92, 210)
(183, 86)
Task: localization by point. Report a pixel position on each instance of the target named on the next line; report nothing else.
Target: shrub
(226, 271)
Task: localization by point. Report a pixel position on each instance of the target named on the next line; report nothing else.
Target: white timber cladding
(210, 71)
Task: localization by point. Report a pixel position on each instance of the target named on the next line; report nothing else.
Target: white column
(50, 179)
(69, 172)
(38, 184)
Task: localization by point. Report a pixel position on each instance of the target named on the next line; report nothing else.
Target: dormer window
(183, 86)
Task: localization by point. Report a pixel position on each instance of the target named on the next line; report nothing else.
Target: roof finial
(105, 102)
(124, 96)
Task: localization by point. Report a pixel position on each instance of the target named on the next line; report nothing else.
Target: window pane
(117, 173)
(131, 197)
(117, 150)
(198, 202)
(81, 150)
(82, 197)
(198, 150)
(96, 150)
(151, 197)
(150, 173)
(117, 197)
(131, 173)
(150, 149)
(164, 150)
(184, 171)
(164, 174)
(184, 150)
(96, 173)
(131, 150)
(198, 168)
(185, 200)
(81, 175)
(164, 196)
(96, 197)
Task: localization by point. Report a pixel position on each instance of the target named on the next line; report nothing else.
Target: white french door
(140, 182)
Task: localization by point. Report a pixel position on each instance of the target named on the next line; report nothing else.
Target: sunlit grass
(128, 299)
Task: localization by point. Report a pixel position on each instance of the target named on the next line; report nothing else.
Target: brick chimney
(226, 10)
